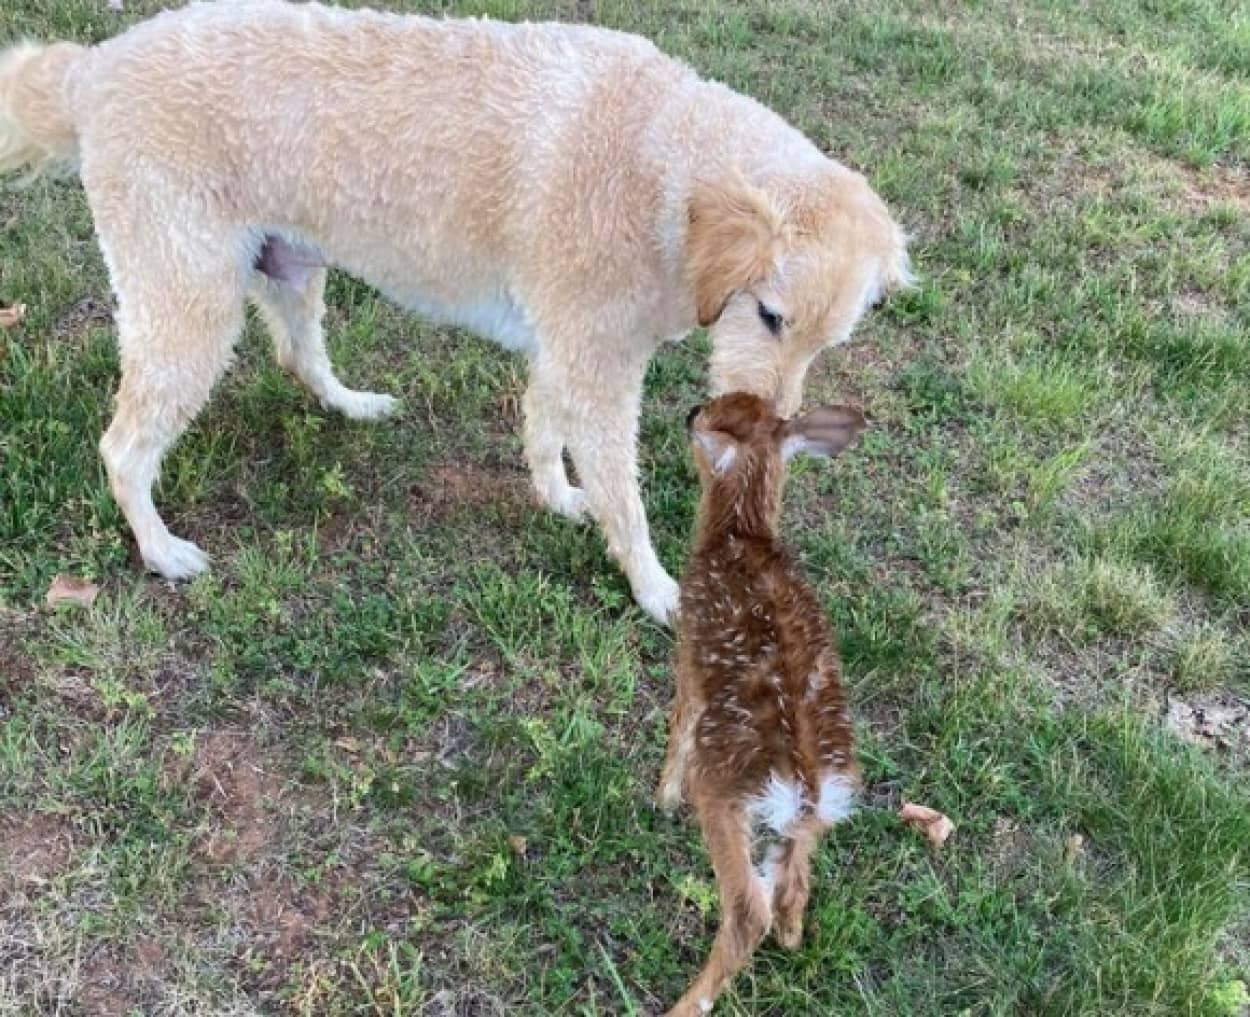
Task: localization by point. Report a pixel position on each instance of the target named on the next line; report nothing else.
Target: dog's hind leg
(179, 313)
(291, 300)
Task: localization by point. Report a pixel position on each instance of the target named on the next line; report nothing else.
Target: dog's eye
(771, 319)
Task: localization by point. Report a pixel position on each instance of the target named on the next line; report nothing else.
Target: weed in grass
(1203, 656)
(1091, 597)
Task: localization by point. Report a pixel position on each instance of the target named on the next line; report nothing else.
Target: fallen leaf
(10, 316)
(518, 845)
(1075, 847)
(348, 744)
(71, 590)
(930, 822)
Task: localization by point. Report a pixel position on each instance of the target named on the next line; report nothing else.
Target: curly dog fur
(568, 191)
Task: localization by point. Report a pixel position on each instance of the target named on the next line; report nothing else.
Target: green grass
(395, 754)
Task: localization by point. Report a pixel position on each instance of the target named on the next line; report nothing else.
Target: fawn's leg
(745, 906)
(791, 879)
(683, 722)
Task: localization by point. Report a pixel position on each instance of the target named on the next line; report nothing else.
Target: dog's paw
(559, 496)
(363, 405)
(668, 796)
(175, 558)
(570, 503)
(659, 599)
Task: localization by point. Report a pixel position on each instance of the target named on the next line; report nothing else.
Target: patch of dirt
(101, 997)
(452, 486)
(466, 1003)
(36, 846)
(1217, 185)
(114, 982)
(281, 922)
(1216, 720)
(16, 672)
(228, 774)
(1192, 303)
(1009, 847)
(88, 312)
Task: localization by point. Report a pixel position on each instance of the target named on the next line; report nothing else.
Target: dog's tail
(36, 127)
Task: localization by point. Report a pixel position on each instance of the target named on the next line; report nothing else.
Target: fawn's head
(741, 447)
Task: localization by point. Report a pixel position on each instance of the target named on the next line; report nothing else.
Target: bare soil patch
(1229, 185)
(90, 312)
(36, 846)
(229, 774)
(1218, 720)
(281, 921)
(450, 487)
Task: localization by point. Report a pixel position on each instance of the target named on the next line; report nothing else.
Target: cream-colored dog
(569, 191)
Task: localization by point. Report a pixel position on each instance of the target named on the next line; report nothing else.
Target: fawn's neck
(722, 519)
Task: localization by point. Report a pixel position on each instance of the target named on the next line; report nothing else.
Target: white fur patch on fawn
(778, 805)
(837, 798)
(767, 868)
(782, 802)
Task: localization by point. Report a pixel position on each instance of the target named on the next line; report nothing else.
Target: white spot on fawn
(781, 803)
(837, 798)
(778, 805)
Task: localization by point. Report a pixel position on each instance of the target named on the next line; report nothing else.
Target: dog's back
(306, 113)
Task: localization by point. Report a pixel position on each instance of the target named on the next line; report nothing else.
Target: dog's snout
(694, 412)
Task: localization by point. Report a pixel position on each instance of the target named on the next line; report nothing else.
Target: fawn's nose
(694, 412)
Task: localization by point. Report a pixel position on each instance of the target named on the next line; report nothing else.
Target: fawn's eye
(771, 319)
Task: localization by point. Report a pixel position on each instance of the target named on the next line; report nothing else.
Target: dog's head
(782, 268)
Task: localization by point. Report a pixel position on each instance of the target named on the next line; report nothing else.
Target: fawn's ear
(721, 450)
(824, 431)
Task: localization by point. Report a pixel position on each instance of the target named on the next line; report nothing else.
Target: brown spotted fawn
(760, 741)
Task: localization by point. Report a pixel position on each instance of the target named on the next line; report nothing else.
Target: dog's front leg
(544, 446)
(599, 418)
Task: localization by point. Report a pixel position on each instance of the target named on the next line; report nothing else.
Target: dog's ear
(732, 242)
(824, 431)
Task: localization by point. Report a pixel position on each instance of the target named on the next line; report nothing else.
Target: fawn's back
(757, 651)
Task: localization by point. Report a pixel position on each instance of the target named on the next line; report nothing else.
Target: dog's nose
(694, 412)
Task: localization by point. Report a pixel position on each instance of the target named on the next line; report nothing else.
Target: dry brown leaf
(930, 822)
(348, 744)
(10, 316)
(71, 590)
(518, 844)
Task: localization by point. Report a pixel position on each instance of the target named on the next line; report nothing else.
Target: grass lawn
(394, 755)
